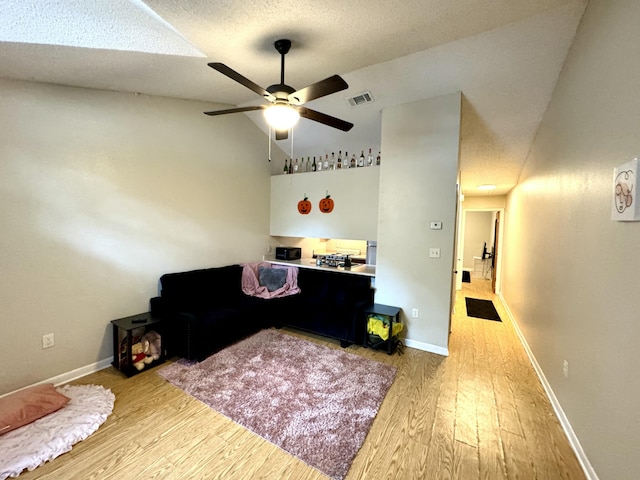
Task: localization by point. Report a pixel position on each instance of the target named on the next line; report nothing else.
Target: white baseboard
(564, 421)
(73, 374)
(80, 372)
(427, 347)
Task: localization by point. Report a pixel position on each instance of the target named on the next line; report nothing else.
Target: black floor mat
(482, 309)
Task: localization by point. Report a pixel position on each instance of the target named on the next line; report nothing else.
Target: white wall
(355, 196)
(102, 193)
(478, 230)
(420, 144)
(570, 273)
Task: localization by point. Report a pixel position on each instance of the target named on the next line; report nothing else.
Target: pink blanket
(251, 284)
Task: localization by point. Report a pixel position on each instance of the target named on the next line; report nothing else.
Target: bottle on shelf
(369, 159)
(325, 165)
(361, 159)
(345, 164)
(308, 169)
(319, 165)
(378, 159)
(352, 162)
(332, 164)
(286, 168)
(339, 163)
(313, 165)
(296, 167)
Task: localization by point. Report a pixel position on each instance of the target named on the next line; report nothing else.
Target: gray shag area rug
(315, 402)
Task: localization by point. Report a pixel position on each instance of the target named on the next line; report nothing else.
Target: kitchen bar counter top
(355, 269)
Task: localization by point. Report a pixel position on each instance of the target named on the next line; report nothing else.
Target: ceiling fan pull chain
(269, 141)
(291, 133)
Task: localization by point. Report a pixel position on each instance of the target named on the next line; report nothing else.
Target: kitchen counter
(355, 269)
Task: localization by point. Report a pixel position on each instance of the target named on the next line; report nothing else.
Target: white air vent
(361, 99)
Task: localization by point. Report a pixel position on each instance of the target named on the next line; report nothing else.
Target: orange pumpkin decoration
(304, 206)
(326, 204)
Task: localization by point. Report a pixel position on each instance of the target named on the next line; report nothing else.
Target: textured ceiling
(127, 25)
(504, 56)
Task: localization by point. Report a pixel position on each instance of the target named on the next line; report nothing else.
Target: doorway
(479, 245)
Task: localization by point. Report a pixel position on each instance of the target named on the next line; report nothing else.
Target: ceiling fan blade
(324, 118)
(233, 75)
(319, 89)
(282, 134)
(236, 110)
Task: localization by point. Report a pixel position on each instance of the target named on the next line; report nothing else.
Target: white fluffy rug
(34, 444)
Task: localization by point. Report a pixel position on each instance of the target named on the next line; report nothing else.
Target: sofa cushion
(220, 319)
(320, 288)
(314, 285)
(272, 278)
(220, 327)
(196, 290)
(224, 282)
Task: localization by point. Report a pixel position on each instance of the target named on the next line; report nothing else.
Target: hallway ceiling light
(487, 187)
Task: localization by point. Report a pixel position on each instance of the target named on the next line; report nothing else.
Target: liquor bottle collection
(319, 164)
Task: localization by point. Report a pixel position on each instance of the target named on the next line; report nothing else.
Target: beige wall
(484, 202)
(101, 193)
(570, 273)
(478, 231)
(418, 175)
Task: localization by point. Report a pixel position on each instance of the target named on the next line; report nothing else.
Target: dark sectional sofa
(206, 310)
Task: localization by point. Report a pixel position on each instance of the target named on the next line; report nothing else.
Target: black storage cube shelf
(127, 332)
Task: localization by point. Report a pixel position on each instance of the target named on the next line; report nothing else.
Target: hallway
(503, 413)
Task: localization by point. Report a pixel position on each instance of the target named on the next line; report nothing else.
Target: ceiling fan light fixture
(286, 101)
(281, 117)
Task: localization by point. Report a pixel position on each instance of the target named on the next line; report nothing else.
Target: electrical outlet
(565, 369)
(434, 253)
(436, 225)
(415, 313)
(48, 341)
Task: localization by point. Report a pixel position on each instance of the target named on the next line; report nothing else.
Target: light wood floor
(480, 413)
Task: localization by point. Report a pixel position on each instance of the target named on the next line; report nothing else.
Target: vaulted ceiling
(504, 56)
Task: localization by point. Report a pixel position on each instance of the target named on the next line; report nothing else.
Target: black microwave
(288, 253)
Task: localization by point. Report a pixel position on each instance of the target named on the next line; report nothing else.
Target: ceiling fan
(284, 99)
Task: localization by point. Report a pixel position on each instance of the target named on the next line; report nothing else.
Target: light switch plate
(434, 253)
(436, 225)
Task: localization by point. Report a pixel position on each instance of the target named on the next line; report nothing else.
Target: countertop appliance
(288, 253)
(372, 247)
(334, 260)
